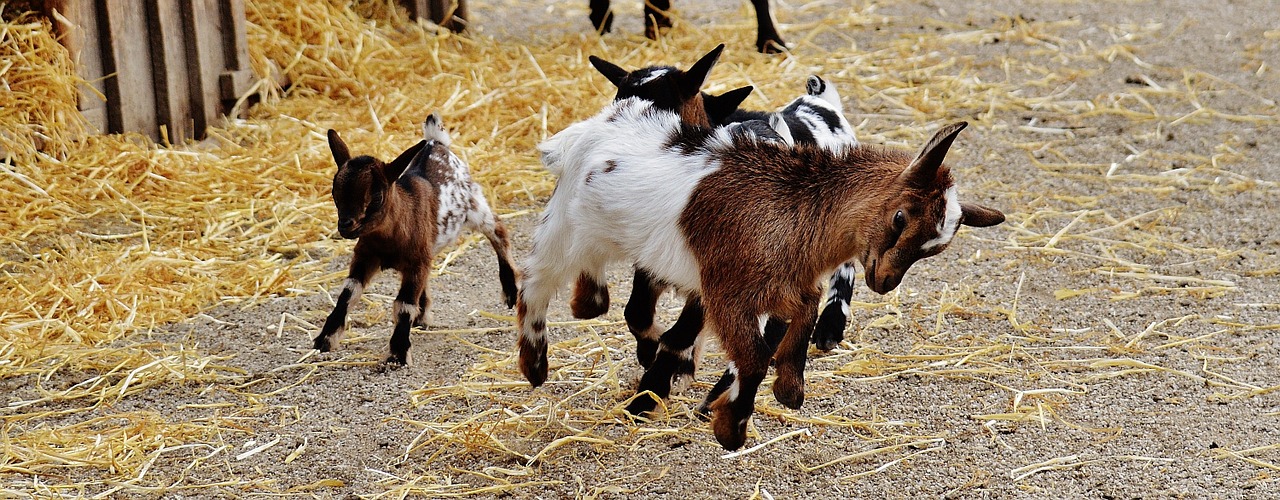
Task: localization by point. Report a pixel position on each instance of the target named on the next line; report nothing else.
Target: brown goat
(403, 213)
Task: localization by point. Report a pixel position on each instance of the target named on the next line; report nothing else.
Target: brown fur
(810, 211)
(392, 208)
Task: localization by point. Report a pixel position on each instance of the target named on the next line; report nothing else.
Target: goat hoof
(771, 46)
(729, 433)
(533, 363)
(397, 360)
(829, 332)
(789, 394)
(323, 344)
(642, 404)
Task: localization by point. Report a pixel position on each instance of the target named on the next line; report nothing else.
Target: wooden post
(176, 65)
(173, 101)
(126, 55)
(77, 26)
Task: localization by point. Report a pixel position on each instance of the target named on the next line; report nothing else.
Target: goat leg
(829, 331)
(601, 16)
(675, 359)
(641, 309)
(657, 17)
(790, 359)
(774, 329)
(363, 268)
(407, 310)
(768, 41)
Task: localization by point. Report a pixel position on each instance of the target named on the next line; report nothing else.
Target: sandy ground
(1028, 361)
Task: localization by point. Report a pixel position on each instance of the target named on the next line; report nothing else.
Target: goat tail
(433, 130)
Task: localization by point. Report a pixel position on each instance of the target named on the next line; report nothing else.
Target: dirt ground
(1115, 338)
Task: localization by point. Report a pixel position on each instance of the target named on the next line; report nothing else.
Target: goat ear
(613, 72)
(924, 169)
(339, 148)
(398, 165)
(719, 107)
(979, 216)
(693, 79)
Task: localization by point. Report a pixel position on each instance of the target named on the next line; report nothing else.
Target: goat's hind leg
(590, 296)
(675, 362)
(482, 219)
(641, 309)
(335, 326)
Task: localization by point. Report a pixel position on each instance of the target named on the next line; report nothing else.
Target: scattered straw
(106, 240)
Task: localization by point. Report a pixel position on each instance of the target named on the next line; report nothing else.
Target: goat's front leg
(774, 330)
(790, 359)
(748, 354)
(676, 358)
(829, 331)
(639, 313)
(407, 308)
(363, 268)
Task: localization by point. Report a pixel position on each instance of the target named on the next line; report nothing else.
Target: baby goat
(750, 226)
(403, 213)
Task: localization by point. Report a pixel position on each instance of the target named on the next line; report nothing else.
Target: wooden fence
(168, 68)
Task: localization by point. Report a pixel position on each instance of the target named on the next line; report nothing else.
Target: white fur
(399, 308)
(654, 74)
(613, 217)
(733, 387)
(948, 226)
(353, 285)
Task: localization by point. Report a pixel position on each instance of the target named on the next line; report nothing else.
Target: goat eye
(899, 221)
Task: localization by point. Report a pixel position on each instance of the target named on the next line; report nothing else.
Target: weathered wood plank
(128, 61)
(77, 25)
(173, 102)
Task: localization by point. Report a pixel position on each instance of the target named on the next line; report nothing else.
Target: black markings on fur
(774, 330)
(611, 166)
(639, 313)
(829, 331)
(671, 361)
(336, 320)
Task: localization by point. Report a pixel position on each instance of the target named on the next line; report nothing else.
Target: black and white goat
(403, 213)
(749, 226)
(656, 17)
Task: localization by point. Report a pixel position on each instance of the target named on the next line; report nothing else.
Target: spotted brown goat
(402, 214)
(749, 226)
